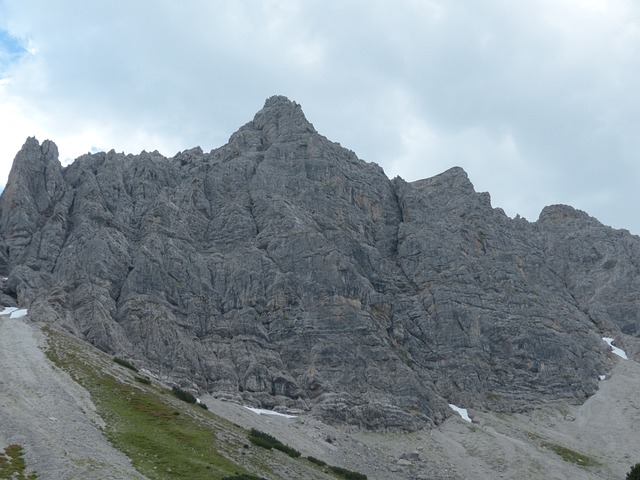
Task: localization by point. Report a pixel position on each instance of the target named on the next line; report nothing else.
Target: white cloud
(537, 100)
(492, 158)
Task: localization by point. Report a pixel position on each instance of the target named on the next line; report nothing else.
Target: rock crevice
(281, 270)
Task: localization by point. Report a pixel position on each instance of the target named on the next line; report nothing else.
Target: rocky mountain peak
(34, 187)
(280, 120)
(564, 214)
(33, 158)
(454, 179)
(281, 271)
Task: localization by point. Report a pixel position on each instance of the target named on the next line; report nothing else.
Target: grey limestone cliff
(282, 271)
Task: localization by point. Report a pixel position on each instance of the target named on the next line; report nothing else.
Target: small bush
(243, 476)
(348, 474)
(143, 380)
(292, 452)
(317, 461)
(125, 364)
(183, 395)
(265, 440)
(261, 442)
(634, 473)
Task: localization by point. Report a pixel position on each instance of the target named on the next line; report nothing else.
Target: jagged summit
(32, 156)
(281, 271)
(279, 104)
(454, 178)
(278, 101)
(279, 120)
(287, 114)
(565, 213)
(35, 177)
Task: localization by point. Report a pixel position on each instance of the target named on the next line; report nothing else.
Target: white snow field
(262, 411)
(461, 411)
(617, 351)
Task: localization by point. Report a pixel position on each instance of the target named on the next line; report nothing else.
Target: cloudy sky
(538, 100)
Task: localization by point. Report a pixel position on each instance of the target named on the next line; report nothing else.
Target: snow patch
(602, 377)
(617, 351)
(19, 313)
(462, 411)
(14, 312)
(262, 411)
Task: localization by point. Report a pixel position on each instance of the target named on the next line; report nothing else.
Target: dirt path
(52, 417)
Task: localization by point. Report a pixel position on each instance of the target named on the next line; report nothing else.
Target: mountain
(281, 271)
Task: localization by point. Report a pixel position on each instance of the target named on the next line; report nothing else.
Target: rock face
(282, 271)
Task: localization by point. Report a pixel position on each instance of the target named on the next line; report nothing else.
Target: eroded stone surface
(282, 270)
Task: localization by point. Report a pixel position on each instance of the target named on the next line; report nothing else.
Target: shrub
(317, 461)
(143, 380)
(348, 474)
(203, 405)
(183, 395)
(634, 473)
(261, 442)
(125, 364)
(265, 440)
(243, 476)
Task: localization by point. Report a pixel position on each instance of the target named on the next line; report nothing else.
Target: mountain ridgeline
(281, 271)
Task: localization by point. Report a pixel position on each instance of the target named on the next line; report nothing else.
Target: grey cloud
(536, 100)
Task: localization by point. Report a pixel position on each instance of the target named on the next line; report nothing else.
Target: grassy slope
(164, 437)
(12, 464)
(142, 422)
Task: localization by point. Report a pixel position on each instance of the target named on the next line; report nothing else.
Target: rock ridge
(280, 270)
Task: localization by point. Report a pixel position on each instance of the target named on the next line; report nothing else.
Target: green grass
(141, 422)
(571, 456)
(13, 465)
(165, 437)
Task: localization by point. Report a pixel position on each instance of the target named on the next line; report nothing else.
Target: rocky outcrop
(281, 270)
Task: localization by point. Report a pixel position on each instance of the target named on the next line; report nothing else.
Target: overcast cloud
(537, 100)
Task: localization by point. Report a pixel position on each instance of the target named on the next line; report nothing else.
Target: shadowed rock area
(281, 271)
